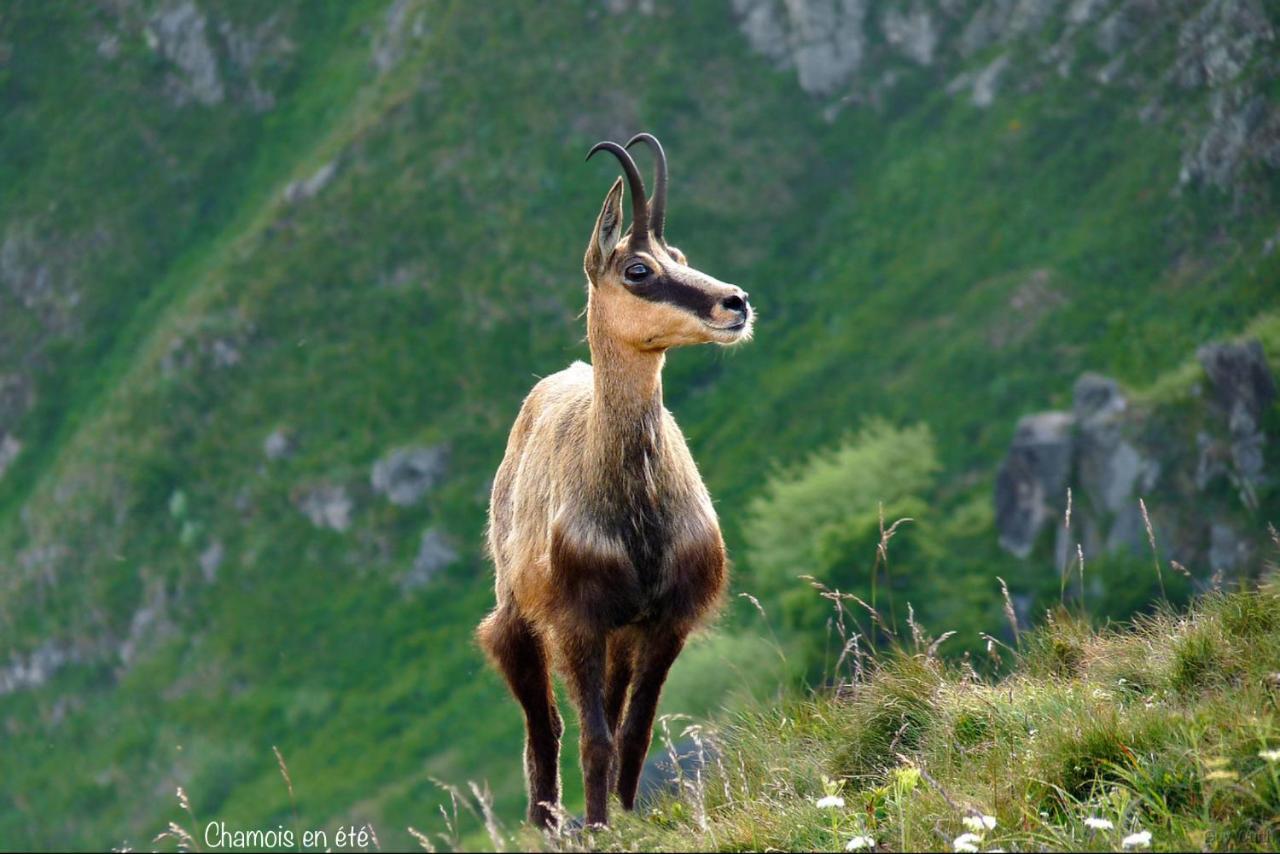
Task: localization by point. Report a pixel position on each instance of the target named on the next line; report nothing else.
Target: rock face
(823, 40)
(1219, 58)
(407, 474)
(178, 33)
(1242, 390)
(1032, 482)
(214, 62)
(1111, 453)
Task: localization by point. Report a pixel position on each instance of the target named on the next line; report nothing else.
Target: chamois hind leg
(520, 656)
(618, 672)
(654, 656)
(583, 655)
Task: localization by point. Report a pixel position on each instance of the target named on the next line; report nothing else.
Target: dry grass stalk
(1151, 538)
(1009, 613)
(422, 840)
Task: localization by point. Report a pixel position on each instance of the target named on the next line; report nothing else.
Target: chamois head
(643, 292)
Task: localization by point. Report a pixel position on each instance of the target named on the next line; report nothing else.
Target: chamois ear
(608, 230)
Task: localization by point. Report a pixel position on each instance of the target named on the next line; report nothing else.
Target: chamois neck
(628, 386)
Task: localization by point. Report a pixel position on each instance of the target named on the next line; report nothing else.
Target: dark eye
(637, 272)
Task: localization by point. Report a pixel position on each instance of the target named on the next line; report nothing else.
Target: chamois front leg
(655, 655)
(584, 658)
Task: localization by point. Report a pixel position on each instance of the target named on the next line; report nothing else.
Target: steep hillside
(275, 281)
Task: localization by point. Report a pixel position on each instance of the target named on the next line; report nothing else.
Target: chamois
(606, 548)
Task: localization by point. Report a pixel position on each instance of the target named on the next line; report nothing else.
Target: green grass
(915, 745)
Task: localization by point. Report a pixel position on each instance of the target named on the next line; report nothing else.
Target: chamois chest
(643, 544)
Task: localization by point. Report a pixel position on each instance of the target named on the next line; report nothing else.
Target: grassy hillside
(358, 227)
(1167, 727)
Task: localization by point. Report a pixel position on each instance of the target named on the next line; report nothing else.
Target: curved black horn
(657, 204)
(639, 207)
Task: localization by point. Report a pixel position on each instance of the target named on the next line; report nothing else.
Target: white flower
(858, 843)
(979, 823)
(831, 802)
(1270, 755)
(1141, 839)
(1094, 823)
(967, 842)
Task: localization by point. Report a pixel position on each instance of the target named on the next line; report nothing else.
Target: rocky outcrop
(435, 552)
(823, 40)
(210, 61)
(278, 445)
(1031, 483)
(407, 474)
(326, 505)
(10, 447)
(1110, 452)
(32, 671)
(1242, 389)
(1207, 71)
(179, 33)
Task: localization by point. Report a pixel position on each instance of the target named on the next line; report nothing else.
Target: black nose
(737, 302)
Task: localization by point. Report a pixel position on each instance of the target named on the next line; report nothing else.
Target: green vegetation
(1093, 736)
(198, 300)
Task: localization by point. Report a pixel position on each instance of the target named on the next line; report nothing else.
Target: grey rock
(987, 82)
(397, 34)
(913, 33)
(1242, 391)
(1032, 481)
(1217, 44)
(1226, 548)
(987, 26)
(178, 31)
(435, 552)
(1119, 29)
(10, 447)
(1240, 126)
(1083, 11)
(249, 50)
(306, 188)
(32, 671)
(1111, 469)
(326, 505)
(211, 561)
(278, 444)
(150, 623)
(823, 40)
(684, 760)
(407, 474)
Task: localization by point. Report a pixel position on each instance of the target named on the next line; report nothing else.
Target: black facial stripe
(674, 292)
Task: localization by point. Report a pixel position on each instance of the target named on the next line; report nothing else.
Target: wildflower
(966, 842)
(831, 802)
(858, 843)
(1270, 755)
(1141, 839)
(979, 823)
(1094, 823)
